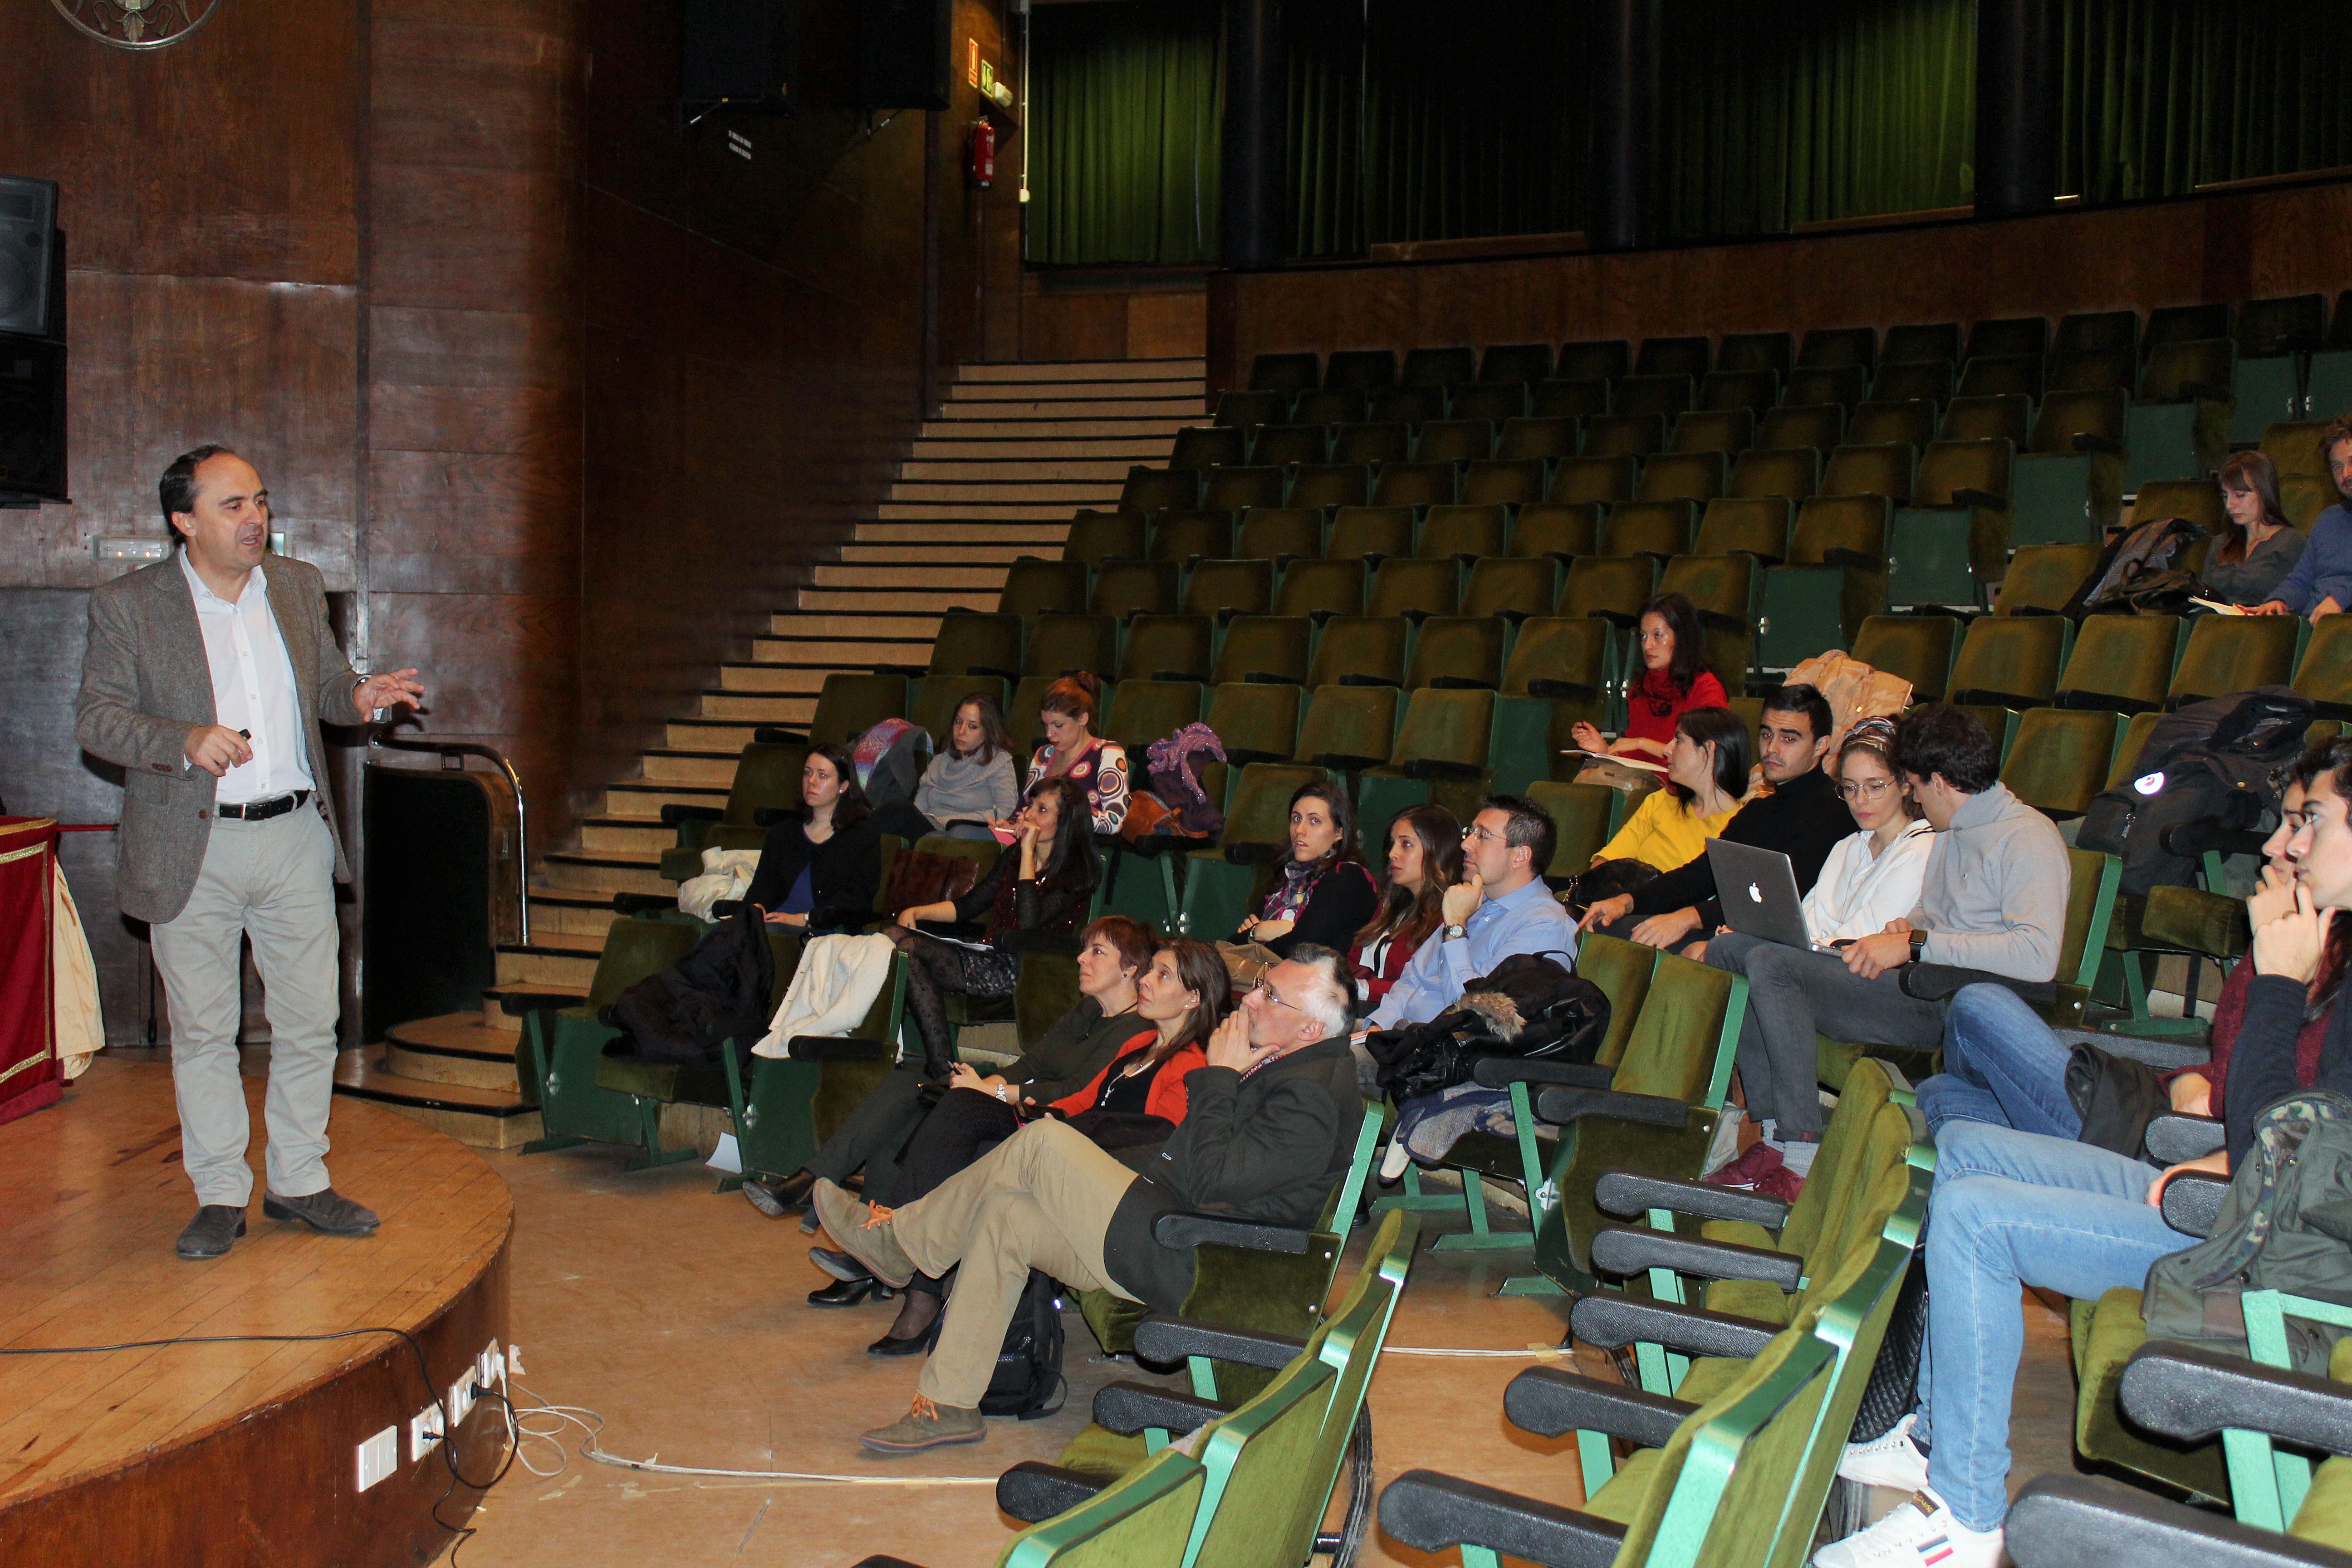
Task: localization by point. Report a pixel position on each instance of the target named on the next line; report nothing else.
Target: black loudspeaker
(32, 421)
(904, 58)
(741, 51)
(28, 262)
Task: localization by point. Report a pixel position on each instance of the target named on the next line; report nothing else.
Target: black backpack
(2136, 575)
(1027, 1382)
(2221, 760)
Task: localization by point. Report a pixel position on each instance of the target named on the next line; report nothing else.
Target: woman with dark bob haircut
(1706, 774)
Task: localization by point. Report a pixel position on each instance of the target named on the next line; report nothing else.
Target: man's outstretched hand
(385, 690)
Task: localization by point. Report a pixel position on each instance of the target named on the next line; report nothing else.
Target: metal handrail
(448, 749)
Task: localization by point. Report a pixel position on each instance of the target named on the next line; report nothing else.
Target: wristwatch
(1918, 944)
(1457, 933)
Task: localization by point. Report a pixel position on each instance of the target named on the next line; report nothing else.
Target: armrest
(1552, 1402)
(2192, 1200)
(2191, 840)
(673, 815)
(838, 1048)
(725, 909)
(778, 735)
(1611, 1322)
(1623, 1249)
(1033, 1492)
(1562, 690)
(2061, 1521)
(1622, 1192)
(2209, 392)
(1440, 768)
(1356, 678)
(1266, 677)
(2190, 1393)
(2175, 1138)
(1241, 756)
(1174, 1339)
(1855, 560)
(1252, 853)
(1501, 1072)
(2091, 441)
(1967, 495)
(1562, 1106)
(1432, 1512)
(641, 904)
(1126, 1408)
(1459, 683)
(1201, 1229)
(1346, 761)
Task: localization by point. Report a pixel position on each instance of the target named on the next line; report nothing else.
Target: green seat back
(1791, 472)
(1144, 1520)
(1182, 536)
(1917, 647)
(1259, 405)
(2324, 673)
(1574, 649)
(1522, 362)
(1096, 537)
(1255, 720)
(2171, 368)
(2122, 662)
(1827, 523)
(1593, 477)
(1124, 588)
(1817, 427)
(1033, 587)
(2303, 497)
(2234, 653)
(1329, 587)
(1202, 447)
(2043, 577)
(1726, 431)
(1664, 395)
(1621, 968)
(1430, 587)
(1328, 405)
(1359, 530)
(1279, 445)
(1661, 528)
(1144, 710)
(852, 704)
(1560, 528)
(1519, 585)
(1231, 490)
(1457, 649)
(1948, 467)
(2293, 447)
(1753, 525)
(1720, 584)
(1541, 435)
(1330, 484)
(1754, 352)
(1060, 643)
(1444, 727)
(2090, 906)
(1617, 436)
(1674, 1042)
(638, 950)
(1880, 469)
(1462, 440)
(1931, 341)
(1692, 477)
(1346, 727)
(1514, 480)
(2007, 417)
(1281, 373)
(1149, 491)
(1259, 811)
(1493, 399)
(1605, 358)
(1866, 1136)
(1471, 530)
(2066, 415)
(1910, 381)
(969, 642)
(1258, 647)
(1909, 422)
(1271, 532)
(1608, 585)
(1842, 386)
(1167, 648)
(2128, 749)
(1350, 1340)
(2059, 759)
(1409, 406)
(766, 775)
(2000, 375)
(1748, 392)
(1264, 1452)
(1438, 367)
(1236, 587)
(1834, 347)
(1370, 647)
(2198, 500)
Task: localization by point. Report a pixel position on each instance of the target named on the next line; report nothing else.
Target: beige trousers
(273, 881)
(1040, 1199)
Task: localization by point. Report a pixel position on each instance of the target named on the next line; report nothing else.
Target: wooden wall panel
(2221, 246)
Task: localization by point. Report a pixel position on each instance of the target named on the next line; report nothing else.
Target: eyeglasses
(1266, 990)
(1869, 789)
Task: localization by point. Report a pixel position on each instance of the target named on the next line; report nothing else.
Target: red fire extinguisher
(983, 154)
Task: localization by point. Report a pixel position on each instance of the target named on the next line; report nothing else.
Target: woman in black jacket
(1323, 895)
(820, 871)
(1036, 895)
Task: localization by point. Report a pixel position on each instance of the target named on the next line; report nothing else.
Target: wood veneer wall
(2223, 246)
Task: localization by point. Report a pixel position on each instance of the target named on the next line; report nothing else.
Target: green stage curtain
(2162, 96)
(1806, 109)
(1123, 113)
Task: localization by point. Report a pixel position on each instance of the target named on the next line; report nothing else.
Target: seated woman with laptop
(1872, 877)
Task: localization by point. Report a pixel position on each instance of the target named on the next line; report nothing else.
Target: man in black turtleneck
(1802, 817)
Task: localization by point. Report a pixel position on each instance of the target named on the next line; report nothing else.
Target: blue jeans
(2012, 1209)
(2002, 1065)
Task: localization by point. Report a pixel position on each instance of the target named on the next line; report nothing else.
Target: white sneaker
(1922, 1533)
(1890, 1460)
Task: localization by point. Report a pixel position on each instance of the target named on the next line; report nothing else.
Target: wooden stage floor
(245, 1452)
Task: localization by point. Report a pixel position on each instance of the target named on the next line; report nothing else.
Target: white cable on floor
(1542, 1352)
(592, 1426)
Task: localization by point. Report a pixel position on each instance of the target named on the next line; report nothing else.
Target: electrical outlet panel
(379, 1456)
(423, 1432)
(461, 1403)
(490, 1369)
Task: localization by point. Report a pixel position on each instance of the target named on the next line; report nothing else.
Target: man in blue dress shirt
(1501, 907)
(2321, 584)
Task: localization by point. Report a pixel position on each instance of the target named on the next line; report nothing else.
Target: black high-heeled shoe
(920, 1344)
(850, 1292)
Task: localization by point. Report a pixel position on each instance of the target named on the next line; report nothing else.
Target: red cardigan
(1167, 1096)
(1375, 987)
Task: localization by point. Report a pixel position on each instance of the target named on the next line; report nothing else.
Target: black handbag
(2116, 1098)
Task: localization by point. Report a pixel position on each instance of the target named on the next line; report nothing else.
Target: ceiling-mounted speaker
(32, 421)
(903, 53)
(32, 275)
(741, 51)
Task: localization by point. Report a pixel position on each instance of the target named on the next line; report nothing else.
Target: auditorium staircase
(1017, 447)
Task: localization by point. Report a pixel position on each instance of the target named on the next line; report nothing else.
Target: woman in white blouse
(1872, 877)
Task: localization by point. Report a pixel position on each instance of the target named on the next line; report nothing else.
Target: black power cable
(448, 1429)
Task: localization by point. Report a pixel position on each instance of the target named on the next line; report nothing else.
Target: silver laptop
(1759, 892)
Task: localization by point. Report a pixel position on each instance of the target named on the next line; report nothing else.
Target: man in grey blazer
(205, 679)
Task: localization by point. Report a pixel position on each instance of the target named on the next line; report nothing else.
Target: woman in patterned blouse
(1072, 752)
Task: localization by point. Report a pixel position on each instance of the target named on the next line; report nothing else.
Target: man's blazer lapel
(295, 626)
(184, 672)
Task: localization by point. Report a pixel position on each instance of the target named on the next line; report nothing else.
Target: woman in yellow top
(1706, 772)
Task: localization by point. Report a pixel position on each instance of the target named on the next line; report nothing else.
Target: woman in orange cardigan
(1138, 1098)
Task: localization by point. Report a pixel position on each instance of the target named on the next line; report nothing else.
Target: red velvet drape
(30, 1076)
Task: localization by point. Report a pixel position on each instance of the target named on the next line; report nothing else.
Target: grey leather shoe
(325, 1210)
(212, 1233)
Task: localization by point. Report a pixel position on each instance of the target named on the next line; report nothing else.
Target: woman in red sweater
(1674, 680)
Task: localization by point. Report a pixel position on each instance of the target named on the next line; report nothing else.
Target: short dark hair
(1723, 730)
(1938, 738)
(1531, 827)
(1798, 697)
(178, 490)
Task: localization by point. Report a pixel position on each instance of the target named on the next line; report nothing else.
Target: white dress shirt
(253, 689)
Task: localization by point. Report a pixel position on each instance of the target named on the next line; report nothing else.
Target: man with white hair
(1270, 1126)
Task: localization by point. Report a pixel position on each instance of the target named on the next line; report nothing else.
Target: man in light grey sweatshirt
(1993, 899)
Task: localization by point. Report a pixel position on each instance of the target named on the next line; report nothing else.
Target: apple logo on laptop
(1755, 893)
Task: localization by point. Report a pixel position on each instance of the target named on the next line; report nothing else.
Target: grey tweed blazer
(145, 683)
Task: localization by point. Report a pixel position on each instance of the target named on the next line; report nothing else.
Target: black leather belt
(263, 810)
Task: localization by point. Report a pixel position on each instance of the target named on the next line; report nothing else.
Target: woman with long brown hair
(2253, 555)
(1424, 858)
